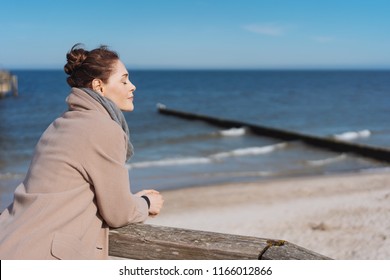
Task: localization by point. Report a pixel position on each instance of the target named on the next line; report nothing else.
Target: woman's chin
(127, 108)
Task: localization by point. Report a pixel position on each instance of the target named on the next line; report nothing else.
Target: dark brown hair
(84, 66)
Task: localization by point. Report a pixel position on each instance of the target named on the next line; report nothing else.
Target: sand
(343, 216)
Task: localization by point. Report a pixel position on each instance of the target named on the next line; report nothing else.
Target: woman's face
(119, 89)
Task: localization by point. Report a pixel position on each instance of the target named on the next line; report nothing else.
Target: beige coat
(76, 188)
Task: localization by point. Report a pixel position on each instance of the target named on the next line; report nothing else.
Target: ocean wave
(238, 174)
(232, 132)
(326, 161)
(169, 162)
(251, 151)
(352, 135)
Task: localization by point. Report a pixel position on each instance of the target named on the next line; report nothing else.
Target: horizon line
(216, 68)
(383, 68)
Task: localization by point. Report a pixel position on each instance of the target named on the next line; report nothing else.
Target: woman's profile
(77, 185)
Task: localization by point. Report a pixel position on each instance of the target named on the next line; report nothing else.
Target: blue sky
(216, 34)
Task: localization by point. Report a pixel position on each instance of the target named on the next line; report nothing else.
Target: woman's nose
(132, 87)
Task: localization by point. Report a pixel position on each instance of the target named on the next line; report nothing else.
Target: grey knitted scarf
(115, 114)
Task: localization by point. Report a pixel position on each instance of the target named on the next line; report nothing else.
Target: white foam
(251, 151)
(233, 132)
(160, 106)
(205, 160)
(240, 174)
(351, 135)
(326, 161)
(169, 162)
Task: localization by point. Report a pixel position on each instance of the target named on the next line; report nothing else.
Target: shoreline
(341, 216)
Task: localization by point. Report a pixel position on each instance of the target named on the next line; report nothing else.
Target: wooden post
(150, 242)
(14, 85)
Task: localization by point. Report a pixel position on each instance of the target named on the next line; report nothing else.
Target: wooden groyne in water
(377, 153)
(149, 242)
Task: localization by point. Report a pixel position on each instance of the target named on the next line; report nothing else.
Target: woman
(77, 185)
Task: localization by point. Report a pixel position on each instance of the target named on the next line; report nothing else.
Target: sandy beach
(343, 216)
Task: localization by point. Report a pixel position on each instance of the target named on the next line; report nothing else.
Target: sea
(174, 153)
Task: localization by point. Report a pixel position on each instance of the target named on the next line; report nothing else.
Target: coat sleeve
(108, 175)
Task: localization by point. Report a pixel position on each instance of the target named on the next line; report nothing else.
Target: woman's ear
(97, 85)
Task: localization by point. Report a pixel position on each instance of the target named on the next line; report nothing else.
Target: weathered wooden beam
(151, 242)
(377, 153)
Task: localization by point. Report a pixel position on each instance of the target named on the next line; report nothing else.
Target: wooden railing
(151, 242)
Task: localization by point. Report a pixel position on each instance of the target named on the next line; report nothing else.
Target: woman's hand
(156, 201)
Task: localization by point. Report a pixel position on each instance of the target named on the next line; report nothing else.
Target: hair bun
(75, 58)
(84, 66)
